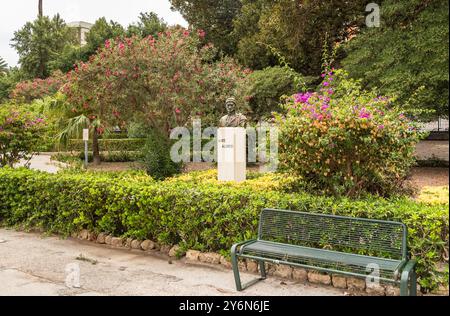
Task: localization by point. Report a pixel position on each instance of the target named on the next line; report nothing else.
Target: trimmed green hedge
(120, 144)
(198, 212)
(108, 156)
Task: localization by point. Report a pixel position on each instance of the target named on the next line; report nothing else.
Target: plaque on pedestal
(231, 154)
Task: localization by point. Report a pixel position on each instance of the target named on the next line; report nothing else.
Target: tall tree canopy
(297, 29)
(102, 30)
(250, 29)
(408, 55)
(215, 17)
(40, 42)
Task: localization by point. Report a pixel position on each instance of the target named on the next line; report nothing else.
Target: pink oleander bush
(165, 80)
(346, 141)
(27, 91)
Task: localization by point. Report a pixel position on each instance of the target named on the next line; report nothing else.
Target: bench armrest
(234, 248)
(408, 268)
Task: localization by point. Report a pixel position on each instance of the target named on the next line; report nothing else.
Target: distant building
(82, 28)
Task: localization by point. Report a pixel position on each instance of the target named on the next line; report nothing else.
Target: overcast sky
(14, 14)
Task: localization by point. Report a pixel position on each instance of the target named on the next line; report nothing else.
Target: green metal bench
(358, 247)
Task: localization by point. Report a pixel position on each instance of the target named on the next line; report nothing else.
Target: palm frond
(74, 128)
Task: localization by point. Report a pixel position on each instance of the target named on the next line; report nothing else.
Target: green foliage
(214, 17)
(29, 90)
(105, 156)
(148, 24)
(267, 86)
(121, 144)
(297, 29)
(167, 80)
(200, 212)
(155, 156)
(102, 30)
(20, 133)
(407, 56)
(8, 81)
(40, 42)
(3, 67)
(352, 141)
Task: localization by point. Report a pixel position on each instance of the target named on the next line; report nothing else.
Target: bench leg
(262, 269)
(413, 284)
(408, 282)
(234, 264)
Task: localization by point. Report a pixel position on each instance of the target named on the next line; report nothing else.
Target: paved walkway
(33, 265)
(433, 149)
(42, 162)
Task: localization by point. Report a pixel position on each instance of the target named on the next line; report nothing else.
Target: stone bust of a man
(232, 119)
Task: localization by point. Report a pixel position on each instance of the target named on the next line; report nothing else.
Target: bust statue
(232, 119)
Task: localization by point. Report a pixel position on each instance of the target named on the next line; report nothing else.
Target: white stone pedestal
(231, 154)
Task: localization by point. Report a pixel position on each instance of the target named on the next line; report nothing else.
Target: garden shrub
(199, 212)
(27, 91)
(105, 156)
(266, 87)
(120, 144)
(346, 141)
(20, 133)
(155, 156)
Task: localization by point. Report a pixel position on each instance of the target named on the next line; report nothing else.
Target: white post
(231, 154)
(85, 139)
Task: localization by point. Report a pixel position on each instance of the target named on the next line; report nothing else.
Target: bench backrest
(374, 237)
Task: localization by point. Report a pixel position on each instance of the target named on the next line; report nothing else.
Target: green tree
(39, 42)
(407, 56)
(101, 31)
(9, 81)
(215, 17)
(168, 80)
(297, 29)
(148, 24)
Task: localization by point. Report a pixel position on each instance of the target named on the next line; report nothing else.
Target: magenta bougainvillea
(344, 140)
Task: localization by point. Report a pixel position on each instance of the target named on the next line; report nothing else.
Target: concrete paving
(42, 162)
(31, 264)
(433, 149)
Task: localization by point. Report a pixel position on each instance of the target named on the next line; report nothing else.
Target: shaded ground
(431, 177)
(433, 149)
(33, 265)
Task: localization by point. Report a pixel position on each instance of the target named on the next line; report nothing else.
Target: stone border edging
(353, 285)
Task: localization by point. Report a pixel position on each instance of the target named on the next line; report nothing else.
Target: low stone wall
(354, 286)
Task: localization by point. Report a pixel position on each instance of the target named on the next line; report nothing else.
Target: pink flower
(177, 110)
(201, 33)
(302, 97)
(326, 83)
(364, 114)
(186, 33)
(107, 44)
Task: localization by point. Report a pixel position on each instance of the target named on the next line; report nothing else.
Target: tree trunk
(40, 8)
(95, 148)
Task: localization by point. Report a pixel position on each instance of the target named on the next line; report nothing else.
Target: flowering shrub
(343, 140)
(27, 91)
(19, 135)
(168, 79)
